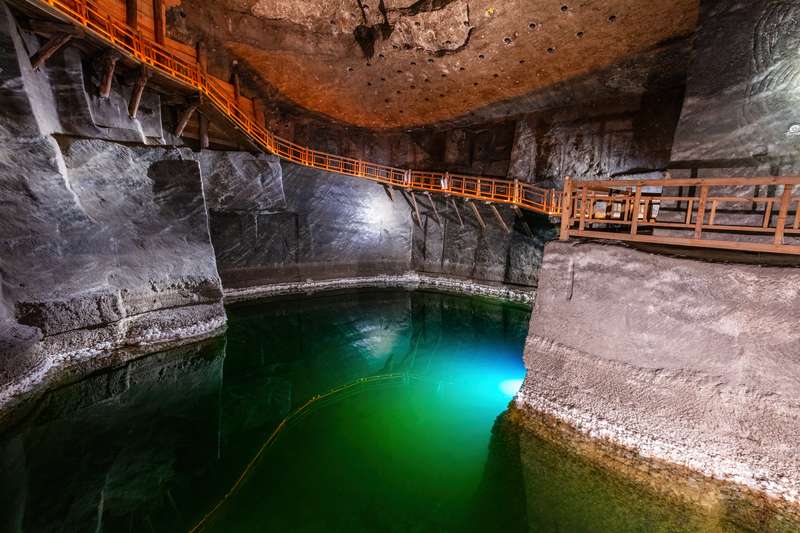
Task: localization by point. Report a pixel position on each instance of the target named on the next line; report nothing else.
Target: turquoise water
(421, 445)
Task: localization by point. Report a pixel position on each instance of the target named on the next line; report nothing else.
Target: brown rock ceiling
(431, 60)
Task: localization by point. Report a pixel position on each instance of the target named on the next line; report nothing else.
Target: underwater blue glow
(510, 387)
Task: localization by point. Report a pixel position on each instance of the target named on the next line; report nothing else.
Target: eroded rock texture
(444, 246)
(612, 138)
(400, 64)
(331, 226)
(685, 361)
(743, 93)
(102, 246)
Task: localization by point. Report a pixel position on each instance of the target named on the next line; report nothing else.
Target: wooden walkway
(748, 214)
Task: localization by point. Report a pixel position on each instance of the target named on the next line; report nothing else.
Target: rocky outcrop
(622, 136)
(690, 362)
(102, 246)
(741, 100)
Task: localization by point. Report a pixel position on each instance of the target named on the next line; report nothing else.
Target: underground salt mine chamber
(399, 266)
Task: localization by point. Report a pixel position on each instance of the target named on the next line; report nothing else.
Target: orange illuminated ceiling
(432, 61)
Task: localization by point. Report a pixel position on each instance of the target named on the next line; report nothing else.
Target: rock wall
(102, 246)
(611, 138)
(280, 222)
(742, 90)
(444, 246)
(686, 361)
(327, 226)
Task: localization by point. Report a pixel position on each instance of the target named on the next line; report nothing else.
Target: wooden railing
(132, 43)
(750, 214)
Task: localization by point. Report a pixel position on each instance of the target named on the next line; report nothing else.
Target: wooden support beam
(478, 215)
(389, 192)
(204, 142)
(109, 63)
(521, 216)
(159, 25)
(433, 207)
(499, 218)
(416, 207)
(186, 116)
(132, 13)
(458, 215)
(202, 56)
(49, 48)
(138, 90)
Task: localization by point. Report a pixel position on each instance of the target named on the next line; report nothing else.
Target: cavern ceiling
(399, 63)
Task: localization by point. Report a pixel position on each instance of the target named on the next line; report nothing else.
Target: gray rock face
(466, 251)
(742, 92)
(689, 362)
(239, 181)
(28, 108)
(621, 136)
(333, 226)
(103, 246)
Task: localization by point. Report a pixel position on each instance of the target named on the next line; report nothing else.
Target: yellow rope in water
(283, 424)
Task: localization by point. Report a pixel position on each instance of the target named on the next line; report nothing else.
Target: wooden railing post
(637, 208)
(780, 227)
(701, 212)
(582, 222)
(566, 208)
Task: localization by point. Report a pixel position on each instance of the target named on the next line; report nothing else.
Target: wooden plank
(478, 215)
(49, 48)
(694, 243)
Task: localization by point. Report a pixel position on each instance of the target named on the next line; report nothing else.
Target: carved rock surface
(240, 181)
(743, 89)
(690, 362)
(333, 226)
